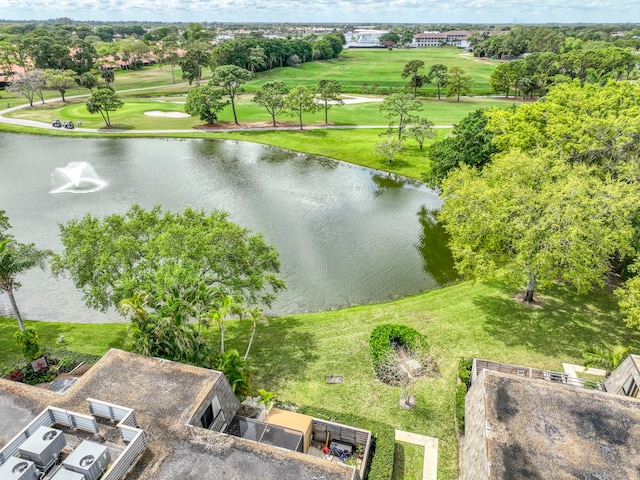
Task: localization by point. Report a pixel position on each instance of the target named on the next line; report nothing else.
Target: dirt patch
(537, 302)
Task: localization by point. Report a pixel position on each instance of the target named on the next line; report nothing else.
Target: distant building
(527, 423)
(364, 38)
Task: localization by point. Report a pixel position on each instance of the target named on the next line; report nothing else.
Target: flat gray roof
(165, 395)
(542, 430)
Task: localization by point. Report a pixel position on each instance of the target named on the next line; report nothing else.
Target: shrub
(389, 335)
(28, 343)
(16, 376)
(383, 438)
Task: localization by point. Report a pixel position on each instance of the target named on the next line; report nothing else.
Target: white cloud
(358, 11)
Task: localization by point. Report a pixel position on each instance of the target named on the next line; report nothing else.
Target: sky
(332, 11)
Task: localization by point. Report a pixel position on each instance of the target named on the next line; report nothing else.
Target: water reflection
(436, 256)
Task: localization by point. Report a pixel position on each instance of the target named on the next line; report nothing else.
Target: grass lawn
(293, 355)
(407, 461)
(355, 67)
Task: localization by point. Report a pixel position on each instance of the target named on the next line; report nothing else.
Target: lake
(346, 235)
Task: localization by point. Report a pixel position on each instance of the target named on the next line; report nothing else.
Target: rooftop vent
(43, 447)
(18, 469)
(89, 458)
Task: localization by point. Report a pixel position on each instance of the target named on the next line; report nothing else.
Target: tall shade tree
(438, 73)
(470, 143)
(15, 259)
(300, 100)
(111, 258)
(230, 78)
(328, 93)
(29, 84)
(591, 124)
(61, 80)
(459, 82)
(400, 108)
(416, 80)
(205, 102)
(535, 220)
(103, 101)
(271, 96)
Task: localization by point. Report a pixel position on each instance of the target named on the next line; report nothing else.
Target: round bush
(387, 337)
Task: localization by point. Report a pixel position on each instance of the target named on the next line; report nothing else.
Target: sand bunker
(158, 113)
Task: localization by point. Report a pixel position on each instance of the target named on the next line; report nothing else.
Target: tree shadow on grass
(280, 351)
(564, 325)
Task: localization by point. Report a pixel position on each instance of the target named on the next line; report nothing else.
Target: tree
(459, 82)
(590, 124)
(257, 59)
(15, 259)
(196, 57)
(536, 219)
(61, 80)
(438, 72)
(388, 148)
(272, 97)
(421, 130)
(470, 143)
(605, 357)
(205, 102)
(328, 92)
(103, 101)
(230, 78)
(416, 80)
(300, 100)
(502, 79)
(29, 84)
(106, 73)
(155, 252)
(88, 80)
(400, 107)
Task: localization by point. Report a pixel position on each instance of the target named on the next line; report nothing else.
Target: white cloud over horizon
(333, 11)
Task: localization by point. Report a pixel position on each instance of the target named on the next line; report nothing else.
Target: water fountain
(76, 177)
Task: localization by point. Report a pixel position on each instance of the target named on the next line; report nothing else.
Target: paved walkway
(572, 370)
(430, 444)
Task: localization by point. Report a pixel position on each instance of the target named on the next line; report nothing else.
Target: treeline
(561, 39)
(535, 73)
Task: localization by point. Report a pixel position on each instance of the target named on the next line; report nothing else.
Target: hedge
(383, 438)
(382, 337)
(464, 374)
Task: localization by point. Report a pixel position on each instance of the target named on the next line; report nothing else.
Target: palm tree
(17, 258)
(606, 357)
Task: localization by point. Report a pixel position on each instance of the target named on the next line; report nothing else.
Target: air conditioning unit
(64, 474)
(89, 458)
(18, 469)
(43, 447)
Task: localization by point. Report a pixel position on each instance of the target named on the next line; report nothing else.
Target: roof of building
(636, 361)
(541, 430)
(430, 35)
(165, 395)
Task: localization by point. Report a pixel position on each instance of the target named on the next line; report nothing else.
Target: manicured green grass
(86, 338)
(293, 355)
(408, 461)
(355, 67)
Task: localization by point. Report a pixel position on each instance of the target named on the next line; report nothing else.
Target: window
(630, 387)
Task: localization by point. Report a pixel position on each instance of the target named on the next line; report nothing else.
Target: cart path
(108, 131)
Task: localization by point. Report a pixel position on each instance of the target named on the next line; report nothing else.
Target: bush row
(464, 374)
(385, 336)
(383, 438)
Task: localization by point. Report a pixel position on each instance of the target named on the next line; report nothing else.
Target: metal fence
(535, 373)
(131, 435)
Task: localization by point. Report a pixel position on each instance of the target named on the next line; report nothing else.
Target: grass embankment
(294, 354)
